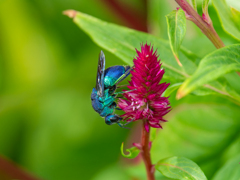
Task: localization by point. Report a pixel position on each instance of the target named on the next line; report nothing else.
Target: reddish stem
(146, 153)
(9, 171)
(132, 17)
(206, 26)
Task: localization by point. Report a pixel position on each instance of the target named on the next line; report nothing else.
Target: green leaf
(157, 24)
(230, 171)
(205, 4)
(176, 21)
(200, 129)
(133, 152)
(232, 150)
(213, 66)
(171, 89)
(205, 10)
(180, 168)
(236, 17)
(194, 4)
(226, 18)
(193, 57)
(234, 3)
(122, 41)
(233, 79)
(114, 170)
(122, 172)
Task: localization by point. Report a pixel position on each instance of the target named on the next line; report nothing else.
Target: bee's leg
(120, 86)
(112, 89)
(122, 126)
(119, 97)
(122, 92)
(129, 121)
(112, 119)
(113, 105)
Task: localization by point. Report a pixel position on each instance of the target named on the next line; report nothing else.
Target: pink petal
(145, 102)
(138, 145)
(146, 125)
(150, 144)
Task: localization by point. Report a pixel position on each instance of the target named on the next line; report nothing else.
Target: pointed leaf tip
(180, 94)
(178, 61)
(225, 60)
(70, 13)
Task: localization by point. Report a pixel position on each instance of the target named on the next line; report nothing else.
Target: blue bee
(103, 95)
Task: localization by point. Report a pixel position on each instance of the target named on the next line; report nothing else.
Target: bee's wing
(100, 74)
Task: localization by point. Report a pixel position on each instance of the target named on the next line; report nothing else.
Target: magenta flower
(145, 102)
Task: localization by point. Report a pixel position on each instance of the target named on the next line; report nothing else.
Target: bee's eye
(108, 120)
(112, 118)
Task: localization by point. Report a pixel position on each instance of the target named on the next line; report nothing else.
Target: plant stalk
(146, 153)
(206, 27)
(9, 170)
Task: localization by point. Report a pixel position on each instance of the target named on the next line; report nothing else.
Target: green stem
(146, 153)
(206, 26)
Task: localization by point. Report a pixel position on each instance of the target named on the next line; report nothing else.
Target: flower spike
(145, 101)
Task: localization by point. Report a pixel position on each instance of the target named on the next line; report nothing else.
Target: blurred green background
(47, 72)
